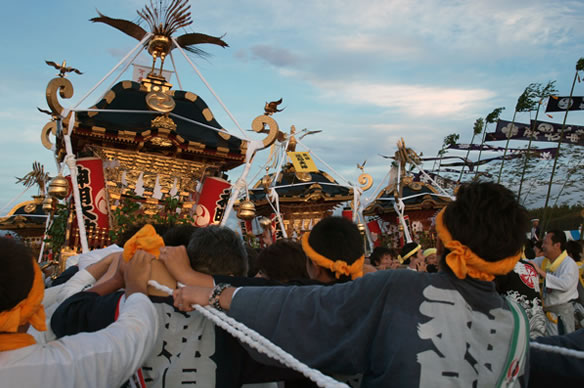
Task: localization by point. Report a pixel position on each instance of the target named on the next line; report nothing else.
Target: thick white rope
(557, 349)
(257, 341)
(209, 87)
(42, 250)
(146, 37)
(273, 196)
(71, 163)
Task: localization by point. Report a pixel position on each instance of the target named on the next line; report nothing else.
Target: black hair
(528, 249)
(538, 244)
(487, 218)
(558, 237)
(378, 253)
(178, 235)
(337, 238)
(283, 261)
(407, 248)
(252, 260)
(17, 274)
(574, 249)
(217, 250)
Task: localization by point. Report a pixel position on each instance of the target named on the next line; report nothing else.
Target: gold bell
(59, 187)
(246, 210)
(361, 228)
(48, 205)
(265, 223)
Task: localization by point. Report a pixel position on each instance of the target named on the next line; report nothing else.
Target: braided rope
(557, 349)
(257, 341)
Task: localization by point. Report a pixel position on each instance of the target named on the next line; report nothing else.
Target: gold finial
(164, 19)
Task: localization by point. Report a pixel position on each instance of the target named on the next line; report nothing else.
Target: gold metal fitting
(265, 223)
(247, 210)
(59, 187)
(48, 205)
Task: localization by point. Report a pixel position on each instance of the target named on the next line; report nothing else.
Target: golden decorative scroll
(259, 124)
(49, 128)
(366, 181)
(65, 89)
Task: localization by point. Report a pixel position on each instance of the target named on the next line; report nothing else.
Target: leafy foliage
(494, 115)
(478, 126)
(527, 100)
(56, 234)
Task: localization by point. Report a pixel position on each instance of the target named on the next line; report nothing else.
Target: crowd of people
(461, 313)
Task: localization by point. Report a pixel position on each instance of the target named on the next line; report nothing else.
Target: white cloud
(409, 99)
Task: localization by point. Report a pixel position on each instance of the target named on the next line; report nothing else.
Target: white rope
(432, 180)
(175, 71)
(43, 240)
(209, 87)
(273, 196)
(257, 341)
(71, 163)
(310, 183)
(252, 147)
(120, 74)
(15, 199)
(557, 349)
(326, 164)
(146, 37)
(153, 113)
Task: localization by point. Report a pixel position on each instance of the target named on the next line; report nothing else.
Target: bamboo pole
(507, 146)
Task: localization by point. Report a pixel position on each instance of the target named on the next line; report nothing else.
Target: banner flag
(92, 194)
(543, 131)
(561, 104)
(302, 162)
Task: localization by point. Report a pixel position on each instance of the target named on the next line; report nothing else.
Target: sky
(365, 73)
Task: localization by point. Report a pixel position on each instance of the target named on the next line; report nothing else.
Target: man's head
(17, 274)
(335, 238)
(411, 254)
(217, 250)
(381, 256)
(535, 222)
(283, 261)
(487, 218)
(554, 243)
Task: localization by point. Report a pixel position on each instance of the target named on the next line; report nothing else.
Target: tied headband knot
(463, 261)
(339, 267)
(146, 239)
(29, 310)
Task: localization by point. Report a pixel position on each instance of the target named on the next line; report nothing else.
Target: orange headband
(145, 239)
(465, 262)
(29, 310)
(339, 267)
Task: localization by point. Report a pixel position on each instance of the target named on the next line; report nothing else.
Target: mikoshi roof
(132, 126)
(27, 214)
(313, 187)
(415, 196)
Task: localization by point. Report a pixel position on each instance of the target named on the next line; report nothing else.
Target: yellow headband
(29, 310)
(462, 261)
(410, 253)
(339, 267)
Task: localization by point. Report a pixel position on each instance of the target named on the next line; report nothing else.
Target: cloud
(410, 99)
(275, 56)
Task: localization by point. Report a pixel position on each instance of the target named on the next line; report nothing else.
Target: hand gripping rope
(258, 342)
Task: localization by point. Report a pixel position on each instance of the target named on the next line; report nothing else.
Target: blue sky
(366, 73)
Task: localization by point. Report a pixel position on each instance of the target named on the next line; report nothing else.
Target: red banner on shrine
(92, 195)
(374, 232)
(212, 201)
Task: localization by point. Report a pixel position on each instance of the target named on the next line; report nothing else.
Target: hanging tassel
(139, 190)
(157, 193)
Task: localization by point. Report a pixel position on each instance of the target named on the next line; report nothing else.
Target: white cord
(257, 341)
(557, 349)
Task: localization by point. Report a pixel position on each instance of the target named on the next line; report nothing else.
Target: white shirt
(561, 285)
(54, 296)
(105, 358)
(86, 259)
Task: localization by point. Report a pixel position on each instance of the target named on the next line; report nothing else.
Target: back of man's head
(16, 273)
(337, 238)
(178, 235)
(217, 250)
(487, 218)
(558, 236)
(283, 261)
